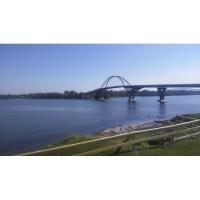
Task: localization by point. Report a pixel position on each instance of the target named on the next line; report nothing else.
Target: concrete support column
(101, 94)
(131, 98)
(131, 93)
(106, 95)
(161, 93)
(98, 95)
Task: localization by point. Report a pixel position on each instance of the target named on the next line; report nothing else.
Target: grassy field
(188, 147)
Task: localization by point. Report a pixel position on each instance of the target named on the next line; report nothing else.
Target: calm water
(30, 124)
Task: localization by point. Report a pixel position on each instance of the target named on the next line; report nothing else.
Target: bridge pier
(131, 98)
(161, 93)
(101, 94)
(132, 93)
(97, 96)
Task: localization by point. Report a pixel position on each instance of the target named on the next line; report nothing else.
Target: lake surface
(31, 124)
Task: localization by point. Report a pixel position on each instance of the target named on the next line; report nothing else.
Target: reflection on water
(30, 124)
(162, 110)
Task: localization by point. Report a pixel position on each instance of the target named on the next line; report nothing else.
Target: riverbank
(120, 130)
(153, 138)
(133, 127)
(75, 138)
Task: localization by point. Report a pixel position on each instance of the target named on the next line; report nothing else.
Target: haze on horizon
(56, 68)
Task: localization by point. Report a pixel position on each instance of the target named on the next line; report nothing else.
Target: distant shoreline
(111, 94)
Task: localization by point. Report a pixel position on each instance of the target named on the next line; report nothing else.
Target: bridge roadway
(153, 86)
(133, 89)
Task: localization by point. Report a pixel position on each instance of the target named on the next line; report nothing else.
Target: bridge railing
(114, 144)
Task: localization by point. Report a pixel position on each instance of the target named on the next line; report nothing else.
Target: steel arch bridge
(132, 90)
(123, 81)
(129, 91)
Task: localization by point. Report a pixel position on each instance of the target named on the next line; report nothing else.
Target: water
(30, 124)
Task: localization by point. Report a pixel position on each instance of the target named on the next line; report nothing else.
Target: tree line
(80, 95)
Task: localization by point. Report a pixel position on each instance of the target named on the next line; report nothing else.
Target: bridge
(132, 90)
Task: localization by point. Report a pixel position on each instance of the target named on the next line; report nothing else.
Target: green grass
(196, 116)
(73, 139)
(80, 148)
(189, 147)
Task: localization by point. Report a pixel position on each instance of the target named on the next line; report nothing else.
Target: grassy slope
(189, 147)
(72, 139)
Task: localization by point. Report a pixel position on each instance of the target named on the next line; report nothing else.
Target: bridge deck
(159, 86)
(194, 85)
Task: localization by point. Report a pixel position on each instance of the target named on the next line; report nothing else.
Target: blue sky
(56, 68)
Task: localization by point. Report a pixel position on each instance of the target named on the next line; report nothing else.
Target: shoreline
(107, 134)
(112, 131)
(129, 127)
